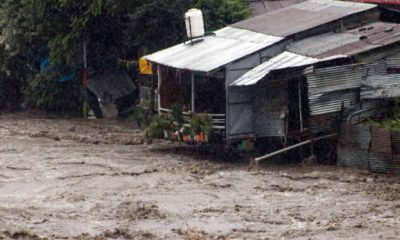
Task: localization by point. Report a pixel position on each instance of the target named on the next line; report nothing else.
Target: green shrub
(45, 92)
(201, 123)
(390, 122)
(158, 125)
(139, 115)
(177, 113)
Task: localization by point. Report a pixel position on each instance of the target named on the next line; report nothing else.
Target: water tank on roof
(194, 23)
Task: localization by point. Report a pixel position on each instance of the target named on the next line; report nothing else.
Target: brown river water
(77, 179)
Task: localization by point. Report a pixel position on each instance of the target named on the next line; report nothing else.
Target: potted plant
(177, 114)
(206, 129)
(201, 125)
(160, 127)
(186, 134)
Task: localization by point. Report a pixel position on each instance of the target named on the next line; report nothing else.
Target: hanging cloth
(145, 67)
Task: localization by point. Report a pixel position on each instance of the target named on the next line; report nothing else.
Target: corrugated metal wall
(240, 104)
(240, 117)
(330, 88)
(370, 148)
(363, 111)
(239, 107)
(381, 87)
(353, 146)
(270, 103)
(334, 93)
(329, 91)
(393, 61)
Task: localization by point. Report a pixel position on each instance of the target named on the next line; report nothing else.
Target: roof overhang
(282, 61)
(228, 45)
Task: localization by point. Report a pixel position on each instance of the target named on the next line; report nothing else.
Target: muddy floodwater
(75, 179)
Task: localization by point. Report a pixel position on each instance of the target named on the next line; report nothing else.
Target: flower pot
(201, 137)
(186, 138)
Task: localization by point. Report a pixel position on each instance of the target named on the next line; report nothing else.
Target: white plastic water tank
(194, 23)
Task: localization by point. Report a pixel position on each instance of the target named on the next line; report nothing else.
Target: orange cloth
(145, 67)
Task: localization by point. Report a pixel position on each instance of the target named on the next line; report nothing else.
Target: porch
(202, 93)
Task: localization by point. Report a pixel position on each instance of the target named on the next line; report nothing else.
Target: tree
(19, 44)
(161, 23)
(113, 30)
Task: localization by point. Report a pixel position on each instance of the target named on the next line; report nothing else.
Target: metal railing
(218, 121)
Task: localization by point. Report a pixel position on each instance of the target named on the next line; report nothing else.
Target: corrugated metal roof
(301, 17)
(283, 60)
(352, 42)
(318, 45)
(389, 2)
(111, 85)
(259, 7)
(229, 44)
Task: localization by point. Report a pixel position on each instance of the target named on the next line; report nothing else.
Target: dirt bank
(73, 179)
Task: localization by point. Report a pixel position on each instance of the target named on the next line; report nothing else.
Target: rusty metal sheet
(380, 162)
(381, 140)
(360, 40)
(396, 164)
(396, 143)
(367, 147)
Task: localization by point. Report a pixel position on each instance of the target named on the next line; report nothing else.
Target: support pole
(150, 110)
(85, 81)
(295, 146)
(193, 94)
(159, 88)
(300, 108)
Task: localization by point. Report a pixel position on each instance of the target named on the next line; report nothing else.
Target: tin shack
(320, 83)
(202, 75)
